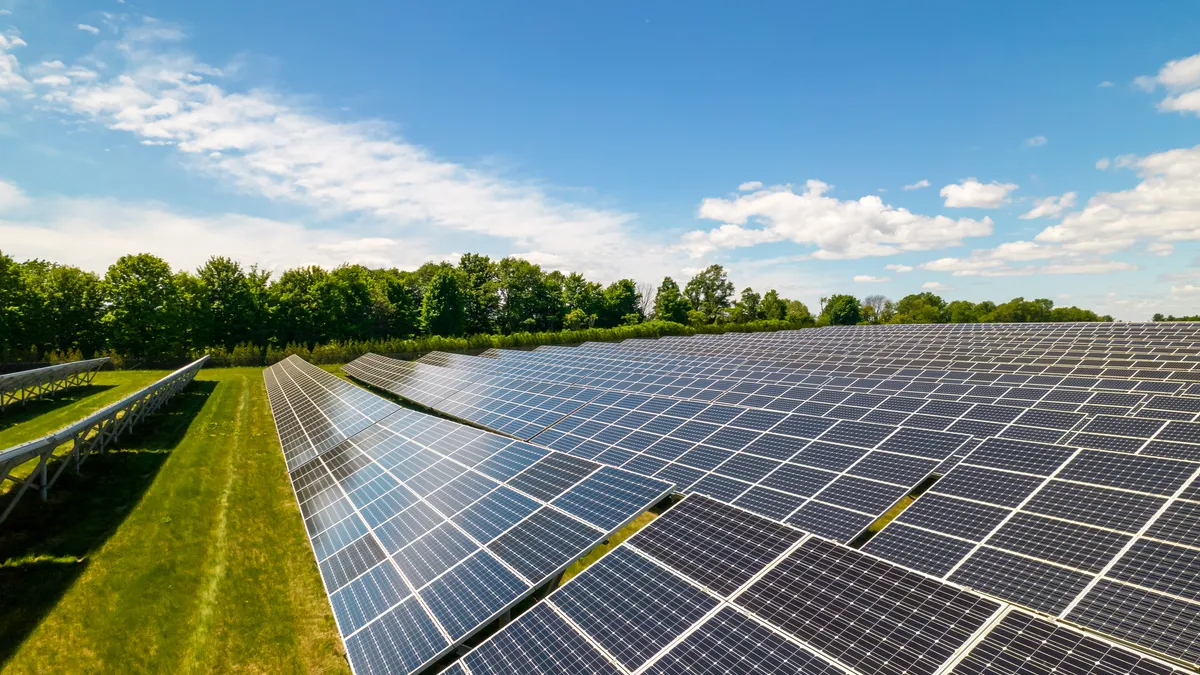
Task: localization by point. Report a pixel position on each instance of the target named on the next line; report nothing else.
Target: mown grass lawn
(181, 551)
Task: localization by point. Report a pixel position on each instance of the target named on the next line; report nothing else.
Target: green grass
(608, 545)
(182, 551)
(35, 418)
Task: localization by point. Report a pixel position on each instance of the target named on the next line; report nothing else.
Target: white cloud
(836, 228)
(750, 186)
(88, 29)
(923, 183)
(11, 196)
(1035, 142)
(868, 279)
(1160, 248)
(1050, 206)
(54, 80)
(265, 146)
(1105, 84)
(1164, 207)
(935, 286)
(10, 68)
(899, 269)
(1103, 163)
(970, 193)
(93, 233)
(1181, 79)
(5, 12)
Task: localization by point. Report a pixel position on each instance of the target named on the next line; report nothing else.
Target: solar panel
(425, 531)
(711, 588)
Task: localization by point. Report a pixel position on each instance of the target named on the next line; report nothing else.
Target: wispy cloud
(923, 183)
(88, 29)
(899, 269)
(1035, 142)
(750, 186)
(935, 286)
(868, 279)
(1105, 84)
(1050, 206)
(264, 145)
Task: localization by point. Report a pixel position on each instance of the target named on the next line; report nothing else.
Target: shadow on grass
(18, 413)
(45, 546)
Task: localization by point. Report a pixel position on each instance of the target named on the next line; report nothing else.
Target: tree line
(141, 308)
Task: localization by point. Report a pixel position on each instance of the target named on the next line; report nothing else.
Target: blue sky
(1048, 152)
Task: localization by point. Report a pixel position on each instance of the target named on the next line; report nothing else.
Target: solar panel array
(1068, 455)
(425, 530)
(833, 477)
(1103, 539)
(711, 588)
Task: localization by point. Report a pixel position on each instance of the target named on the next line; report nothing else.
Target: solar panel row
(832, 477)
(1103, 539)
(424, 530)
(711, 588)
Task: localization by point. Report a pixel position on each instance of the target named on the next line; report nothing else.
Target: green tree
(921, 308)
(710, 292)
(669, 304)
(402, 316)
(773, 308)
(140, 317)
(229, 303)
(621, 304)
(65, 304)
(583, 301)
(443, 309)
(298, 314)
(798, 314)
(747, 308)
(482, 292)
(961, 311)
(842, 310)
(14, 305)
(531, 299)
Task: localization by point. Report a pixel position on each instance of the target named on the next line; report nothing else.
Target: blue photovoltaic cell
(489, 517)
(397, 642)
(367, 597)
(650, 608)
(730, 642)
(609, 498)
(471, 593)
(523, 647)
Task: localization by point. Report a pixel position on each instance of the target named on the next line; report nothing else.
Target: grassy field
(180, 552)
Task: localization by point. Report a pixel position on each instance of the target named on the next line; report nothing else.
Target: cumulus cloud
(970, 193)
(1181, 80)
(1163, 208)
(1103, 163)
(868, 279)
(263, 145)
(10, 68)
(835, 228)
(1035, 142)
(923, 183)
(88, 29)
(750, 186)
(935, 286)
(1050, 206)
(1105, 84)
(899, 269)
